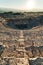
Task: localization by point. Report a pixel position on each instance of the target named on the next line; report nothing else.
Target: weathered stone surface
(21, 38)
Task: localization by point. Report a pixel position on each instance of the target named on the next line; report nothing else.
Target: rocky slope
(21, 36)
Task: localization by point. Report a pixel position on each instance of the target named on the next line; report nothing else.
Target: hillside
(21, 37)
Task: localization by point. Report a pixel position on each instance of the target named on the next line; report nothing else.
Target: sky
(22, 4)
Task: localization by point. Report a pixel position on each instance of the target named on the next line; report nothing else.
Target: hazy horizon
(27, 5)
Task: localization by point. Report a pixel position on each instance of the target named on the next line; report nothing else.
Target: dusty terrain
(21, 38)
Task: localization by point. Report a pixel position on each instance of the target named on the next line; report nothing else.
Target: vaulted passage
(17, 26)
(21, 26)
(24, 23)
